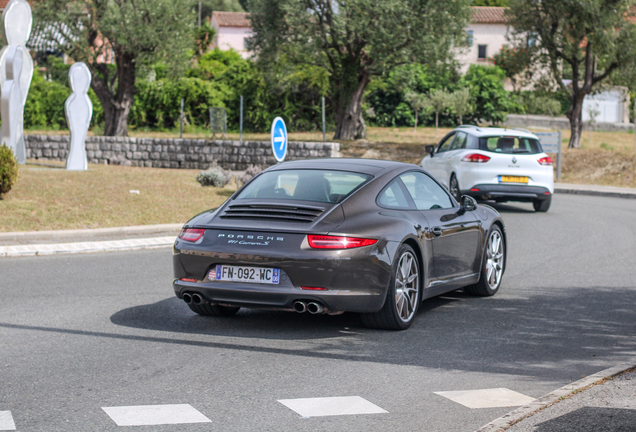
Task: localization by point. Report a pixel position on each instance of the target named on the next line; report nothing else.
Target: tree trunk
(576, 122)
(436, 121)
(116, 103)
(415, 128)
(349, 122)
(460, 120)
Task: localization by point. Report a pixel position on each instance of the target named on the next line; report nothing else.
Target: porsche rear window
(306, 185)
(510, 144)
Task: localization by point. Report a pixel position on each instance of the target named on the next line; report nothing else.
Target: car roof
(364, 166)
(494, 131)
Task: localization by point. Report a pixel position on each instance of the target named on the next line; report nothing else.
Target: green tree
(419, 103)
(440, 100)
(593, 38)
(132, 32)
(491, 101)
(354, 41)
(460, 103)
(501, 3)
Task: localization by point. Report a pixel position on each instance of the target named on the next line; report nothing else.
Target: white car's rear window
(510, 144)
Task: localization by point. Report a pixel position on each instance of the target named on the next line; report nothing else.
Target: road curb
(513, 417)
(92, 233)
(86, 247)
(595, 192)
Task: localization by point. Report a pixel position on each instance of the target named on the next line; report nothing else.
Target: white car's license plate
(227, 273)
(513, 179)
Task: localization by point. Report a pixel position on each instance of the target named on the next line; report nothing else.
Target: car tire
(453, 187)
(493, 265)
(542, 205)
(403, 296)
(207, 309)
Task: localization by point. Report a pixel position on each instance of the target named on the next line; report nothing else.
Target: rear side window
(510, 144)
(426, 193)
(393, 196)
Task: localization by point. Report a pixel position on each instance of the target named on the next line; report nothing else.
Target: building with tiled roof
(232, 30)
(486, 32)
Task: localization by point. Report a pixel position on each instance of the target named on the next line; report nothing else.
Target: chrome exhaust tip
(197, 299)
(187, 298)
(315, 308)
(300, 307)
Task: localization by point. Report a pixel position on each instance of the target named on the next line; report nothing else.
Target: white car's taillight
(476, 157)
(545, 161)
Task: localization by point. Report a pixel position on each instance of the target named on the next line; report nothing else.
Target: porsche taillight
(545, 161)
(476, 157)
(191, 234)
(337, 242)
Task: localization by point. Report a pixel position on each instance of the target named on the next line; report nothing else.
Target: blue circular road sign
(279, 139)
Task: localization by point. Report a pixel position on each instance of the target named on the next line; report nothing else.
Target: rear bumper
(259, 296)
(500, 192)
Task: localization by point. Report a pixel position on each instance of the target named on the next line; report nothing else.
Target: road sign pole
(241, 122)
(323, 119)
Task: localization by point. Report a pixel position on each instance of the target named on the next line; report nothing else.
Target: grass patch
(52, 199)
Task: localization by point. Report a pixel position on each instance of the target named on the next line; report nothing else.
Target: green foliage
(514, 61)
(8, 169)
(500, 3)
(354, 41)
(460, 103)
(44, 108)
(491, 101)
(536, 103)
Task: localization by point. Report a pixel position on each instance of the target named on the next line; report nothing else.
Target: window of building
(469, 37)
(481, 51)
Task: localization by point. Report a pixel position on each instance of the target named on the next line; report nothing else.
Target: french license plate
(513, 179)
(227, 273)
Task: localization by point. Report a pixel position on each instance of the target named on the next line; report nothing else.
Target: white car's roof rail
(522, 130)
(468, 126)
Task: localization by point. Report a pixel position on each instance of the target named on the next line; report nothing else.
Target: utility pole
(241, 122)
(323, 119)
(199, 14)
(181, 121)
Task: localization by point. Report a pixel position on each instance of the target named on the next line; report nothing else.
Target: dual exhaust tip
(311, 307)
(192, 298)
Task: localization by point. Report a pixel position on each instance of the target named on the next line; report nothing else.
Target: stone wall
(561, 123)
(175, 153)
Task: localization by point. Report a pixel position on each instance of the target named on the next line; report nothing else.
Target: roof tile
(231, 19)
(489, 15)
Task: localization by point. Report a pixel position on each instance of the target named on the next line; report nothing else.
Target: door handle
(437, 231)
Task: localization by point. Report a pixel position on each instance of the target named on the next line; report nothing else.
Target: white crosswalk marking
(146, 415)
(487, 398)
(331, 406)
(6, 421)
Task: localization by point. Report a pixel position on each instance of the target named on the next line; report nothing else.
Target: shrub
(214, 176)
(250, 172)
(8, 169)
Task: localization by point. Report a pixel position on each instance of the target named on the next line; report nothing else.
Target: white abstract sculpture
(16, 24)
(79, 110)
(11, 100)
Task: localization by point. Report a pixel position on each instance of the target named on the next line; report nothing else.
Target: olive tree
(114, 38)
(584, 41)
(355, 40)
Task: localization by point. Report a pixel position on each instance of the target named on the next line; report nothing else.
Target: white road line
(147, 415)
(331, 406)
(487, 398)
(6, 421)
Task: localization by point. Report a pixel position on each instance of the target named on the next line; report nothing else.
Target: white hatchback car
(493, 164)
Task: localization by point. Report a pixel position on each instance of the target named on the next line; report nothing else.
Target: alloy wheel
(494, 259)
(406, 287)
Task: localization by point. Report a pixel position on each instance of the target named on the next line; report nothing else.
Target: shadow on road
(534, 335)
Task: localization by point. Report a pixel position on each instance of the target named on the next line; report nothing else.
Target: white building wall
(612, 106)
(232, 37)
(491, 35)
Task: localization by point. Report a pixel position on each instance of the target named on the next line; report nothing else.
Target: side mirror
(467, 203)
(430, 149)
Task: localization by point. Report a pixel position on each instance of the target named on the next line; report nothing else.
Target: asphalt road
(83, 332)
